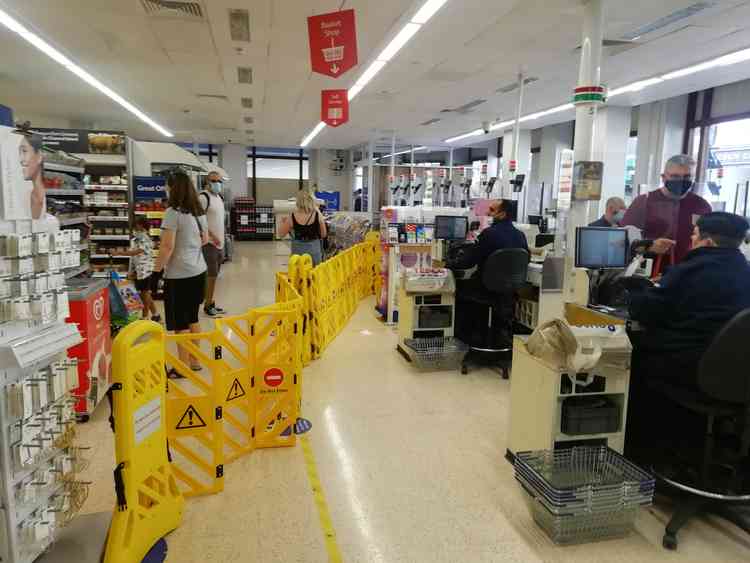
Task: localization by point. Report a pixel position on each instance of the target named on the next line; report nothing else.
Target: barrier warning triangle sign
(191, 419)
(235, 391)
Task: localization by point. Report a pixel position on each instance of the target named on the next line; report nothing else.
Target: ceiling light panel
(427, 10)
(239, 25)
(401, 39)
(244, 75)
(669, 19)
(15, 26)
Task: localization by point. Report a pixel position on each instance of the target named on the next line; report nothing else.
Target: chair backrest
(724, 371)
(505, 270)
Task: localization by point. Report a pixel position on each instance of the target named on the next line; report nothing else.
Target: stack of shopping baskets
(583, 494)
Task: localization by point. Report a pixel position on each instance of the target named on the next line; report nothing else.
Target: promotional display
(334, 107)
(333, 42)
(150, 187)
(83, 140)
(587, 180)
(21, 177)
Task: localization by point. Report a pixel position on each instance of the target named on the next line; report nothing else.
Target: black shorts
(182, 301)
(150, 283)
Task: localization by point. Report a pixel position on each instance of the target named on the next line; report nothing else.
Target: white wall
(611, 134)
(327, 179)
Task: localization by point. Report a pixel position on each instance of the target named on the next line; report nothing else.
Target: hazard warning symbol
(235, 391)
(191, 419)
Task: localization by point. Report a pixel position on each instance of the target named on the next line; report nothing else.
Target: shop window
(630, 161)
(727, 178)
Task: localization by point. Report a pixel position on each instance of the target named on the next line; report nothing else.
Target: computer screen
(448, 227)
(601, 248)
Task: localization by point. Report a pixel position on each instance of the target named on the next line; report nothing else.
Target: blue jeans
(311, 247)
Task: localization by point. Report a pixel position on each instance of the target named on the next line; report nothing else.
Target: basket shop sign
(333, 42)
(334, 107)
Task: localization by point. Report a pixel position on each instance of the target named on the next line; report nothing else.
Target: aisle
(411, 465)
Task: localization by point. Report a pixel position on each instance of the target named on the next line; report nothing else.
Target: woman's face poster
(21, 176)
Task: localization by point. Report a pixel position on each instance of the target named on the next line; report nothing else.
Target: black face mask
(679, 187)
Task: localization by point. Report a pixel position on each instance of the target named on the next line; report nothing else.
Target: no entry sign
(273, 377)
(334, 107)
(333, 42)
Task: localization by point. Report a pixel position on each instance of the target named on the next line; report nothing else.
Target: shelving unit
(252, 222)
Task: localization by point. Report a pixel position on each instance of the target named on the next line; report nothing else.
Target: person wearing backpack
(213, 204)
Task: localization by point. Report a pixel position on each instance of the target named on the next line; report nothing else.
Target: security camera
(486, 127)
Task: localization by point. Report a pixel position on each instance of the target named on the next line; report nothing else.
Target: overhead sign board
(150, 187)
(334, 107)
(333, 42)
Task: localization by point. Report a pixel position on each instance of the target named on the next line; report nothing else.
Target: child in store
(142, 267)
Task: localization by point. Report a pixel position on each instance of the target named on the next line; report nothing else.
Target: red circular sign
(273, 377)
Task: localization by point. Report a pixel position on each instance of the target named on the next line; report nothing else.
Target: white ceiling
(466, 52)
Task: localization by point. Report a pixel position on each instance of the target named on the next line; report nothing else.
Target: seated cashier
(694, 300)
(614, 213)
(501, 234)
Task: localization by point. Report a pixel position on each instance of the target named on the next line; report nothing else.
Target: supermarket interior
(355, 281)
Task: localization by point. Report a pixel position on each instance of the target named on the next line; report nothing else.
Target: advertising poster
(83, 141)
(150, 187)
(565, 179)
(21, 175)
(587, 180)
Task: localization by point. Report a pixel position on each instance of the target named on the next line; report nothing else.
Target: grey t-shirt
(187, 258)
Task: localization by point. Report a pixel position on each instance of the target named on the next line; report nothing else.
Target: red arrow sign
(333, 42)
(334, 107)
(273, 377)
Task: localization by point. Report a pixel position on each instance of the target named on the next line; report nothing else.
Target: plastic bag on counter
(553, 342)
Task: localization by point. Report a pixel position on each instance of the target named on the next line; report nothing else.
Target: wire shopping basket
(333, 53)
(437, 353)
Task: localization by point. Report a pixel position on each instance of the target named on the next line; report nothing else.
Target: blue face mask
(619, 216)
(215, 187)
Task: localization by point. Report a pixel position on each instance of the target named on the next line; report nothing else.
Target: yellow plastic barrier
(149, 502)
(195, 407)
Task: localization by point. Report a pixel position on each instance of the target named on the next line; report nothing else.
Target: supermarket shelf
(73, 272)
(108, 257)
(55, 167)
(151, 214)
(105, 219)
(52, 192)
(116, 204)
(107, 187)
(109, 237)
(93, 159)
(154, 232)
(72, 220)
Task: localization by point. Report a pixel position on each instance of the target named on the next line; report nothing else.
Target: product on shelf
(252, 222)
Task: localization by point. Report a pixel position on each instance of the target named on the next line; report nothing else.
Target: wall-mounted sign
(333, 42)
(83, 141)
(150, 187)
(565, 179)
(587, 180)
(334, 107)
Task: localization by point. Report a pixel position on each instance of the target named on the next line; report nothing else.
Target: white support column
(523, 149)
(234, 161)
(612, 131)
(587, 102)
(514, 166)
(372, 202)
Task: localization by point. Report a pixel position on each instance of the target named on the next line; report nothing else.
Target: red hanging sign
(333, 42)
(334, 107)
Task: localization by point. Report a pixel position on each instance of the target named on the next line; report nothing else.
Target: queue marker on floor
(324, 515)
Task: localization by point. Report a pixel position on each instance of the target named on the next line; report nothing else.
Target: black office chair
(722, 483)
(503, 274)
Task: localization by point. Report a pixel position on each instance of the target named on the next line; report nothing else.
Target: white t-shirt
(214, 206)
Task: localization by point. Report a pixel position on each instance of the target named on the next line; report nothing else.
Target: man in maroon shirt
(666, 216)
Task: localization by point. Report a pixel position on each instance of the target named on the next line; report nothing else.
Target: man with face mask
(213, 252)
(614, 213)
(666, 216)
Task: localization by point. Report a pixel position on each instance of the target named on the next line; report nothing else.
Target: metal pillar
(370, 177)
(513, 164)
(588, 97)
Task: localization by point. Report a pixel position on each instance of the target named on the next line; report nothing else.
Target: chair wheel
(464, 370)
(505, 374)
(669, 541)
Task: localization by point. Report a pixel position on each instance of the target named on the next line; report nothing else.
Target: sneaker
(156, 318)
(219, 309)
(212, 311)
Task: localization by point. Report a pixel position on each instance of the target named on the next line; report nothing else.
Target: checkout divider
(173, 437)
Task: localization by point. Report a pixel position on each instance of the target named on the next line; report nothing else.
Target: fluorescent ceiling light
(465, 136)
(427, 10)
(15, 26)
(689, 70)
(403, 36)
(634, 87)
(314, 133)
(737, 57)
(500, 125)
(400, 152)
(368, 75)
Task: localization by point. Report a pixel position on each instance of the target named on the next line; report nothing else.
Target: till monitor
(449, 227)
(601, 248)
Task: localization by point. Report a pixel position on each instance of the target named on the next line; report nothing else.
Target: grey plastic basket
(437, 353)
(583, 494)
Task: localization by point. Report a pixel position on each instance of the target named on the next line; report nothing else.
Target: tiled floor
(411, 463)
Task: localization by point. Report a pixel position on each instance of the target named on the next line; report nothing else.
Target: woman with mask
(307, 226)
(666, 216)
(184, 231)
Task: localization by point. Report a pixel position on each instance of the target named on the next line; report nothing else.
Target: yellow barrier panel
(195, 406)
(149, 502)
(235, 360)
